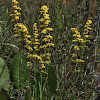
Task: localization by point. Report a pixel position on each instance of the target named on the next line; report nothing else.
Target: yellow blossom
(87, 36)
(49, 36)
(42, 65)
(76, 47)
(42, 19)
(29, 64)
(44, 31)
(79, 60)
(49, 29)
(46, 39)
(47, 62)
(75, 40)
(74, 55)
(50, 44)
(15, 7)
(16, 13)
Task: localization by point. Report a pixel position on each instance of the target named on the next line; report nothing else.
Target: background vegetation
(63, 80)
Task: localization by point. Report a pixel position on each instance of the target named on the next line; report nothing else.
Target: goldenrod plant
(87, 30)
(32, 44)
(77, 39)
(80, 40)
(16, 11)
(45, 35)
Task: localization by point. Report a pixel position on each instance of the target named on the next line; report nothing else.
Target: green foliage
(18, 71)
(4, 95)
(4, 75)
(52, 79)
(38, 77)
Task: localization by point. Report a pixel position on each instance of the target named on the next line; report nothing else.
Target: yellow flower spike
(35, 39)
(46, 37)
(81, 39)
(15, 9)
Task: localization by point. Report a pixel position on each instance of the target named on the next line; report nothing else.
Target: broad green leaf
(4, 75)
(52, 79)
(18, 71)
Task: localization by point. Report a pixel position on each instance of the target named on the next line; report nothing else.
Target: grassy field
(49, 50)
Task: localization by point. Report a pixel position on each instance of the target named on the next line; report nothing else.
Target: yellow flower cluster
(34, 45)
(44, 11)
(20, 27)
(46, 40)
(46, 57)
(36, 40)
(46, 20)
(78, 39)
(87, 30)
(77, 36)
(16, 12)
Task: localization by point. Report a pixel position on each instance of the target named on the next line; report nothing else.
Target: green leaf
(52, 79)
(19, 71)
(40, 88)
(4, 75)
